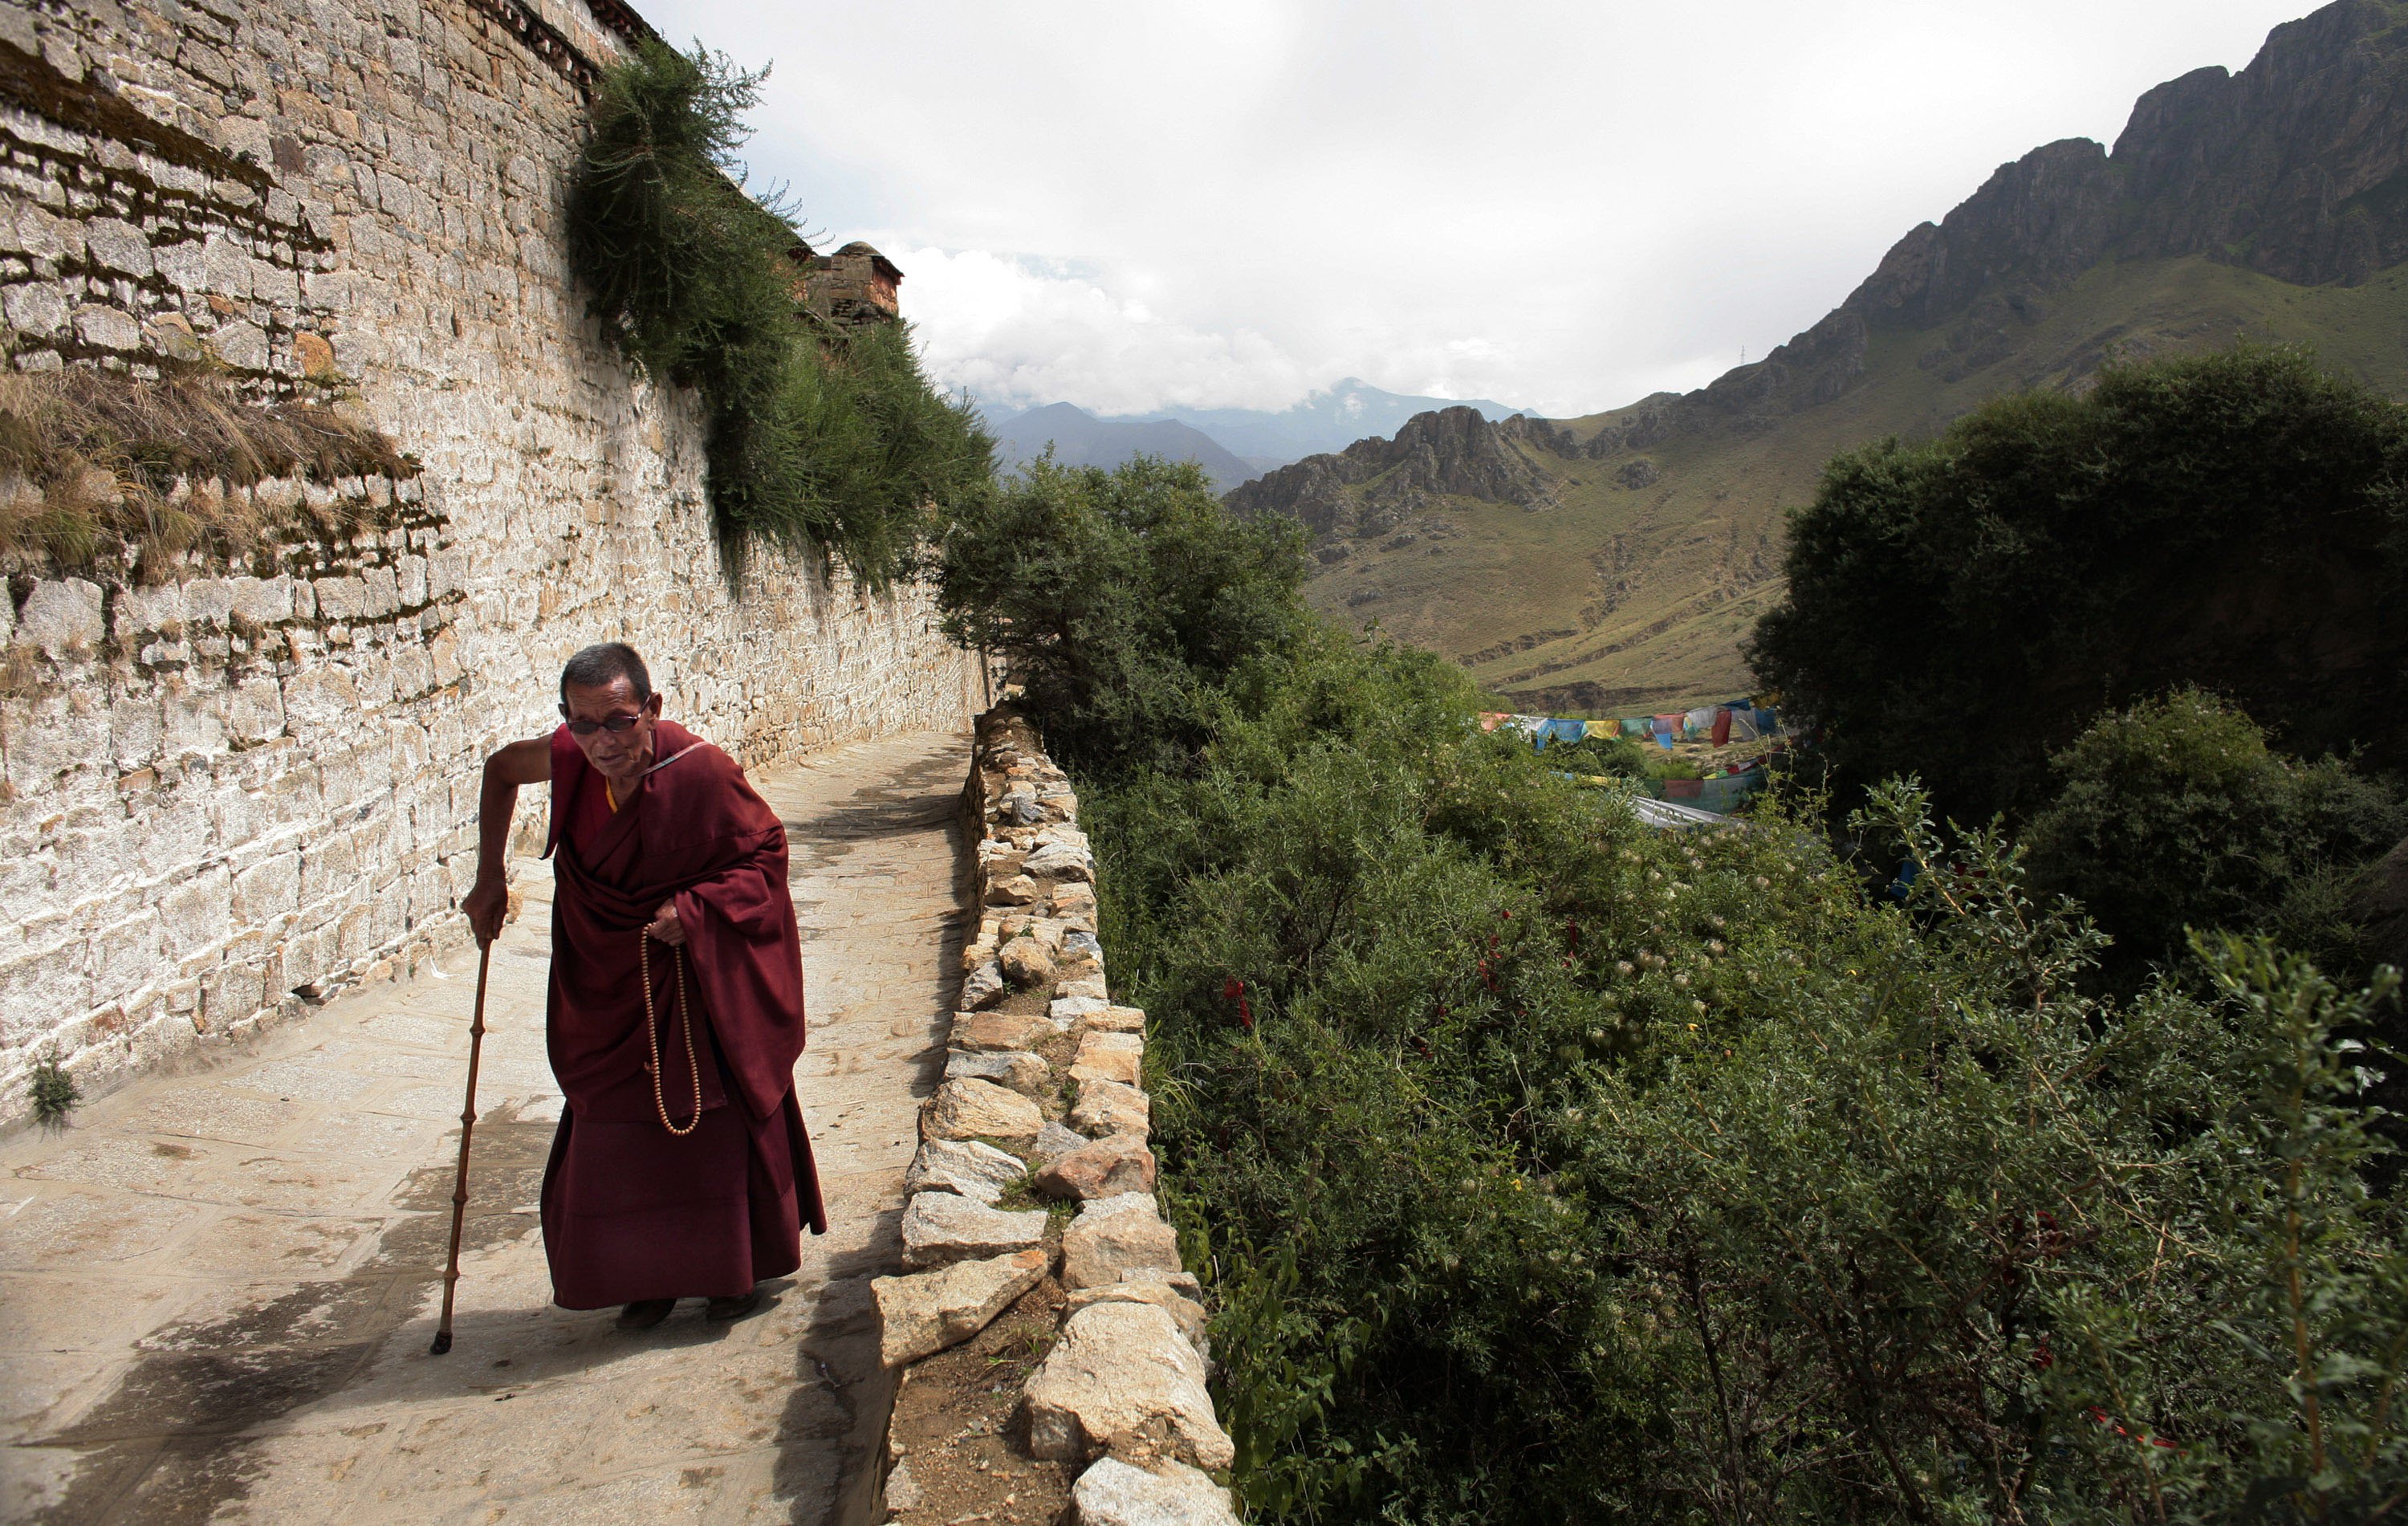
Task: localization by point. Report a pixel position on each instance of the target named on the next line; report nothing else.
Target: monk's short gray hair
(597, 665)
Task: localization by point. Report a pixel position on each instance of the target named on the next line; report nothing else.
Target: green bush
(2176, 814)
(834, 440)
(1572, 1172)
(1545, 1168)
(1617, 757)
(1959, 608)
(1120, 600)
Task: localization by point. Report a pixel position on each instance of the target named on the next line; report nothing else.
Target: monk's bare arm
(519, 763)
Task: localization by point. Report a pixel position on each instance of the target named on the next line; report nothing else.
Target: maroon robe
(630, 1210)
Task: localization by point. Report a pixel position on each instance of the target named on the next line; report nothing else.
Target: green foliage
(835, 440)
(1120, 600)
(1960, 608)
(1543, 1167)
(2175, 813)
(1570, 1171)
(54, 1092)
(1618, 757)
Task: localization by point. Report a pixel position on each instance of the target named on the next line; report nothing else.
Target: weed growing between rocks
(53, 1091)
(826, 439)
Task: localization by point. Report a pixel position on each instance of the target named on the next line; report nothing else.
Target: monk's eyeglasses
(615, 725)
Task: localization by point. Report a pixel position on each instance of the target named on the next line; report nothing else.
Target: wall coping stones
(1123, 1388)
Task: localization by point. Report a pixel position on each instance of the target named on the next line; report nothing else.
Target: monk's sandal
(645, 1313)
(724, 1309)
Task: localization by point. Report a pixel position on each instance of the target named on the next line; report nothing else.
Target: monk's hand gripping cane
(468, 1127)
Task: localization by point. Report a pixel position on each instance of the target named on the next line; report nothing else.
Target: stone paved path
(217, 1291)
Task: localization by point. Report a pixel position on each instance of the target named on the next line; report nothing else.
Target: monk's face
(621, 756)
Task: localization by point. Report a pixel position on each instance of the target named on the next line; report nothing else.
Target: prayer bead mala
(652, 1035)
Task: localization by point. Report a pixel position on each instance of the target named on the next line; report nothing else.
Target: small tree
(1960, 608)
(2176, 814)
(1118, 599)
(841, 445)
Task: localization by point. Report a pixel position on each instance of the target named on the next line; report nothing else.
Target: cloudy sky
(1556, 204)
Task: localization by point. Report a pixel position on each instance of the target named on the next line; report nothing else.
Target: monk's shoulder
(713, 785)
(709, 765)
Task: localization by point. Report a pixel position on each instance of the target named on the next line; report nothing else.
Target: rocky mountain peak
(2296, 168)
(1446, 452)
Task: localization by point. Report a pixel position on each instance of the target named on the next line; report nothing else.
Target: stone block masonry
(232, 793)
(1044, 1080)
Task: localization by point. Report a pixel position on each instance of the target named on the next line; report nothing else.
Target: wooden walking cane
(468, 1127)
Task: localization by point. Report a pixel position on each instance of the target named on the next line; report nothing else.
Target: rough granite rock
(1053, 1143)
(1114, 1020)
(983, 987)
(1123, 1379)
(1181, 1282)
(1082, 985)
(1065, 856)
(1107, 1057)
(928, 1311)
(976, 1170)
(1026, 963)
(1103, 1168)
(1113, 1494)
(1110, 1107)
(1070, 1008)
(981, 1110)
(941, 1227)
(1172, 1300)
(1000, 1030)
(903, 1491)
(1023, 1073)
(1019, 890)
(1113, 1236)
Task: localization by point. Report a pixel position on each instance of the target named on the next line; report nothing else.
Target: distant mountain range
(1233, 445)
(1081, 440)
(1618, 560)
(1328, 420)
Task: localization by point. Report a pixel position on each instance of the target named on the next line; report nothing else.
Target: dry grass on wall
(120, 479)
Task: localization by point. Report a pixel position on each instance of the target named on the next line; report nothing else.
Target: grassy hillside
(1619, 596)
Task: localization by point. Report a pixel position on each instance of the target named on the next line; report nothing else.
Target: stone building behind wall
(856, 287)
(232, 791)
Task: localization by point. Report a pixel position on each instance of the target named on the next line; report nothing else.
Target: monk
(680, 1167)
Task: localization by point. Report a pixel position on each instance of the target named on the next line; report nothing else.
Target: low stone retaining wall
(1034, 1162)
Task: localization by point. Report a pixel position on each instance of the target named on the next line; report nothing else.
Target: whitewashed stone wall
(229, 795)
(1045, 1094)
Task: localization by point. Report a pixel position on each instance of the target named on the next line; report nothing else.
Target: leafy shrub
(829, 439)
(1120, 600)
(1568, 1170)
(1959, 608)
(1618, 757)
(2175, 813)
(1547, 1168)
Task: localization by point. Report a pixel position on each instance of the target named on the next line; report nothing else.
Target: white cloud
(1563, 203)
(1017, 332)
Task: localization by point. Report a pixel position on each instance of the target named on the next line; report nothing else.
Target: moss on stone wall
(105, 474)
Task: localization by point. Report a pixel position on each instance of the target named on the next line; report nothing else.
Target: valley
(1618, 560)
(1632, 579)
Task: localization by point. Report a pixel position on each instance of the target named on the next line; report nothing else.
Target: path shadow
(837, 1356)
(178, 1438)
(168, 1442)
